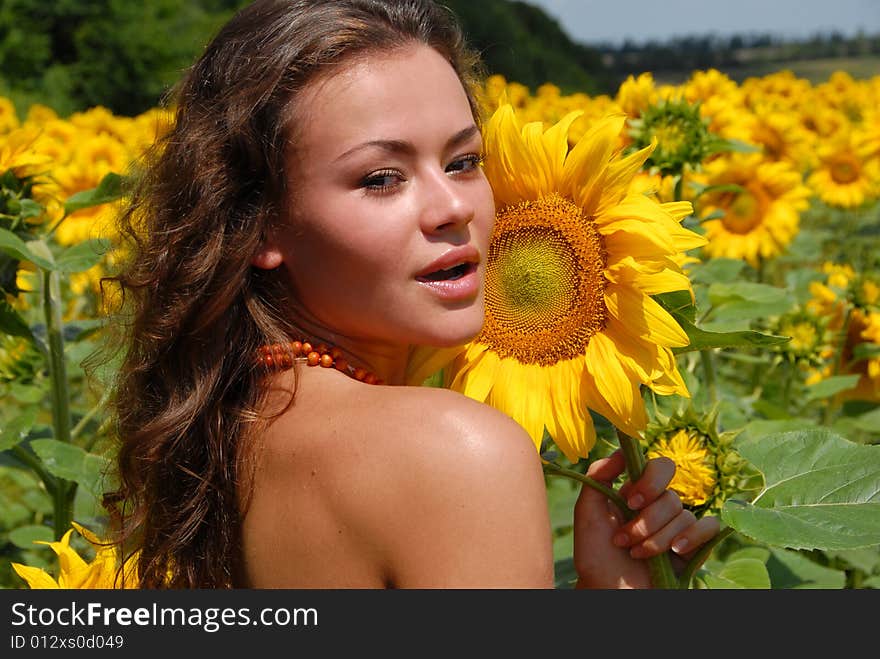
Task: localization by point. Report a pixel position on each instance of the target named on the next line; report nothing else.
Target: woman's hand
(609, 552)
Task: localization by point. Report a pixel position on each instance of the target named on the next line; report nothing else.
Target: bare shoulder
(400, 486)
(445, 425)
(469, 497)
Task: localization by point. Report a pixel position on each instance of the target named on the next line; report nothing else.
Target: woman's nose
(446, 203)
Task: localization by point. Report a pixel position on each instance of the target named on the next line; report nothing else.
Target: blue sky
(594, 21)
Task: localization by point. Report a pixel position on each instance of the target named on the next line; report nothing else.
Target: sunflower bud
(682, 136)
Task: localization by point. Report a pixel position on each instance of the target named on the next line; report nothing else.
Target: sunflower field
(689, 271)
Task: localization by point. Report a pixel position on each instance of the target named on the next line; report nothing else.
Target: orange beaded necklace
(283, 355)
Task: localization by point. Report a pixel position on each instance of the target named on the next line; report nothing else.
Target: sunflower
(760, 203)
(573, 261)
(695, 476)
(809, 334)
(708, 470)
(846, 176)
(681, 133)
(74, 572)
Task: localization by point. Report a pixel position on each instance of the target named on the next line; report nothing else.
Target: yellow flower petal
(35, 577)
(583, 177)
(645, 317)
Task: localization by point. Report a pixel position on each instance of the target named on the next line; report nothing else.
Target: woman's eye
(381, 181)
(468, 163)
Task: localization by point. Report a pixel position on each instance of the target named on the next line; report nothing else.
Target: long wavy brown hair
(188, 392)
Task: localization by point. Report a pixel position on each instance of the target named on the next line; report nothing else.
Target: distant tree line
(124, 55)
(702, 52)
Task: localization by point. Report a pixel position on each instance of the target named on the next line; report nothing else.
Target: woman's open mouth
(458, 283)
(449, 274)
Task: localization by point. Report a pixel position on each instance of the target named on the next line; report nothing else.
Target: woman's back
(374, 486)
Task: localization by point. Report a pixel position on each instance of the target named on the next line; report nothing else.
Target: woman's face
(390, 213)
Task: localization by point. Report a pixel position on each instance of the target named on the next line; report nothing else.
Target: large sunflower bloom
(573, 262)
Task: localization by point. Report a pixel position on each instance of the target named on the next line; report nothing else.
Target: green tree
(521, 42)
(75, 54)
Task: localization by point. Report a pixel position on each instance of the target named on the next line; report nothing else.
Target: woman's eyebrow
(402, 146)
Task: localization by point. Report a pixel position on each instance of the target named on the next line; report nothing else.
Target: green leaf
(736, 573)
(29, 208)
(29, 393)
(82, 256)
(716, 270)
(17, 430)
(830, 386)
(12, 323)
(109, 189)
(762, 427)
(721, 293)
(869, 421)
(25, 536)
(72, 463)
(679, 301)
(789, 569)
(745, 301)
(872, 582)
(702, 340)
(15, 247)
(821, 491)
(737, 315)
(866, 559)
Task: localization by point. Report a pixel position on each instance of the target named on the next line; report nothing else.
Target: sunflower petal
(615, 387)
(513, 398)
(510, 165)
(571, 431)
(424, 361)
(621, 173)
(35, 577)
(644, 316)
(555, 143)
(583, 177)
(481, 376)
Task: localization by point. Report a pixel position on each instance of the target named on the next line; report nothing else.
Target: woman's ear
(268, 256)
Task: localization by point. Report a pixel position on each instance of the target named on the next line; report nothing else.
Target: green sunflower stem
(706, 362)
(62, 498)
(662, 574)
(552, 469)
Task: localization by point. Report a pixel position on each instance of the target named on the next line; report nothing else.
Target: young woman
(317, 213)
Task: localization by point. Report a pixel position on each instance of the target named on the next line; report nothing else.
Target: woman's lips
(456, 283)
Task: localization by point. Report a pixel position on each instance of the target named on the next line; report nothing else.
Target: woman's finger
(663, 539)
(607, 469)
(695, 536)
(655, 479)
(657, 515)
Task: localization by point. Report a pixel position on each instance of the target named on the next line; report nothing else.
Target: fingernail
(635, 501)
(621, 540)
(679, 545)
